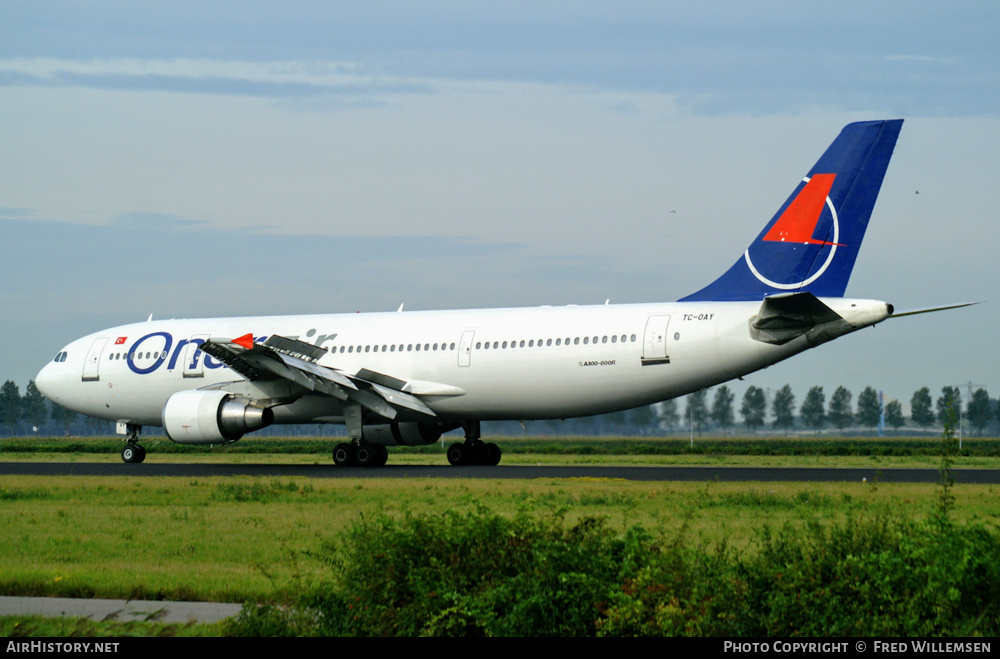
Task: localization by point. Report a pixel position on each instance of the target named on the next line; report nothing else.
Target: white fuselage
(527, 363)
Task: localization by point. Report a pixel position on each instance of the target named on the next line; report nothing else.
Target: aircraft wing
(296, 362)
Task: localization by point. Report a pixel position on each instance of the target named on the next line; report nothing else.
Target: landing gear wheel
(474, 453)
(457, 454)
(492, 455)
(343, 455)
(368, 455)
(133, 454)
(360, 455)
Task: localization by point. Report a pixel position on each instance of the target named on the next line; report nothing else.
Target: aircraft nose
(45, 381)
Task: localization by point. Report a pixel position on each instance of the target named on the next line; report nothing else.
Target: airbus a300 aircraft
(405, 378)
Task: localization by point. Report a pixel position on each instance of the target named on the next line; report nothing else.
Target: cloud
(281, 78)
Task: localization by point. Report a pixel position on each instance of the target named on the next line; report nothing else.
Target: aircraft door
(465, 348)
(193, 358)
(93, 361)
(654, 346)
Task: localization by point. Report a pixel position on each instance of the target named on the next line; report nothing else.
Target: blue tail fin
(813, 240)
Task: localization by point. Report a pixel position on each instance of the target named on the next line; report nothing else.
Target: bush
(880, 577)
(472, 574)
(483, 574)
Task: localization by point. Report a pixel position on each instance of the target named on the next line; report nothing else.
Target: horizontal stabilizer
(783, 317)
(914, 312)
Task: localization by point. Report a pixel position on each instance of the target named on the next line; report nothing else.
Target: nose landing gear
(133, 453)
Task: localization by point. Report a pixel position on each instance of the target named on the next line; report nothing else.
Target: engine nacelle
(212, 417)
(407, 434)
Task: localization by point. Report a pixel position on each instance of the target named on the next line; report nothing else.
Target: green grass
(239, 538)
(230, 539)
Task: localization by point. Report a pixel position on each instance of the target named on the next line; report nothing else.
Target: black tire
(343, 455)
(133, 454)
(366, 455)
(492, 455)
(457, 454)
(475, 453)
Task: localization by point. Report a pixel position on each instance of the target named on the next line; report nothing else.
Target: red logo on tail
(798, 222)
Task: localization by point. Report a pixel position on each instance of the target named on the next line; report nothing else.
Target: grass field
(230, 539)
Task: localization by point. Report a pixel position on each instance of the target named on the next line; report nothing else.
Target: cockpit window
(61, 357)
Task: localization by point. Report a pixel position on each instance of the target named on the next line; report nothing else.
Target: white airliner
(404, 378)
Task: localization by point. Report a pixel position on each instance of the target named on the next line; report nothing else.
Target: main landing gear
(133, 453)
(473, 451)
(361, 454)
(358, 452)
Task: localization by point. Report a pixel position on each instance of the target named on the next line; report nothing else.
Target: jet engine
(406, 434)
(212, 417)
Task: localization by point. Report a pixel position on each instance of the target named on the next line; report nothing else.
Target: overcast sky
(195, 159)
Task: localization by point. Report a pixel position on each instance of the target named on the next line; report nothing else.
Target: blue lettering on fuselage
(178, 352)
(167, 342)
(180, 348)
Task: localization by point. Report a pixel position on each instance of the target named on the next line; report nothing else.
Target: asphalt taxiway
(120, 610)
(631, 473)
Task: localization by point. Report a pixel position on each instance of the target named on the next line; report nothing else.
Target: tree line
(31, 413)
(840, 413)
